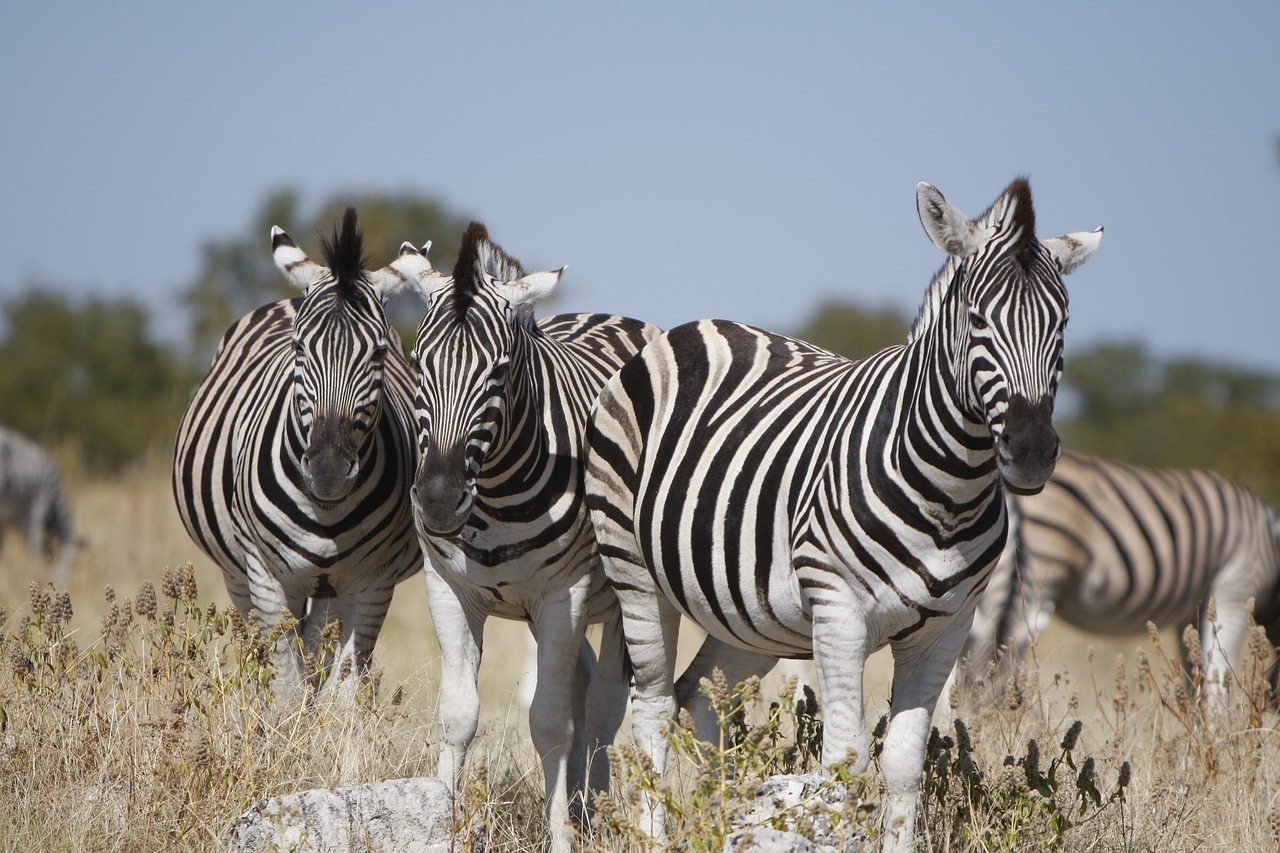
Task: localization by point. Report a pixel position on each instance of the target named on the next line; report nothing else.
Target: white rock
(398, 816)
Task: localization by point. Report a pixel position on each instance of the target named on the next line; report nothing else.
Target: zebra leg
(270, 599)
(735, 663)
(651, 625)
(1220, 640)
(840, 649)
(361, 613)
(558, 703)
(606, 701)
(460, 635)
(919, 671)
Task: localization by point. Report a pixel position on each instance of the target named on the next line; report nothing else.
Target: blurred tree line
(91, 374)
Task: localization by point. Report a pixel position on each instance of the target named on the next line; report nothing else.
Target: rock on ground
(398, 816)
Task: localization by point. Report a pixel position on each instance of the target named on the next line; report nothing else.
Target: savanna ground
(141, 721)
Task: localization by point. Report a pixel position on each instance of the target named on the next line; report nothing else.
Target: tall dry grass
(126, 729)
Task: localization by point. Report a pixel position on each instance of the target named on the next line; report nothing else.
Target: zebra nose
(1028, 447)
(441, 503)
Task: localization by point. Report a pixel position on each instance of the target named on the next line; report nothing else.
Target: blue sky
(737, 160)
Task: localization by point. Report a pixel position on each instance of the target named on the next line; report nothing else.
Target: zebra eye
(379, 354)
(299, 349)
(977, 321)
(499, 371)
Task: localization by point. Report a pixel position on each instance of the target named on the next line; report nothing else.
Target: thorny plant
(166, 723)
(724, 774)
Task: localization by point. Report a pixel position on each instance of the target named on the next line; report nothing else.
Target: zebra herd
(588, 468)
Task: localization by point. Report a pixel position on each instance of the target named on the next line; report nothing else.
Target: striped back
(751, 466)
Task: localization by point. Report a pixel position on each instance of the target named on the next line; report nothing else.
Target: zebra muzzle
(441, 504)
(1028, 447)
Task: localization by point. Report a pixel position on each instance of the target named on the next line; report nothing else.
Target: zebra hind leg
(736, 665)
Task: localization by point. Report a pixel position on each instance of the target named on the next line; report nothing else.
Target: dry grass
(137, 733)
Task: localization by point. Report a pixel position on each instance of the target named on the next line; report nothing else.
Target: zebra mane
(344, 253)
(477, 257)
(1013, 211)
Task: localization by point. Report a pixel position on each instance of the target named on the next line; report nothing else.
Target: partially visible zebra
(795, 503)
(293, 462)
(502, 402)
(32, 499)
(1109, 547)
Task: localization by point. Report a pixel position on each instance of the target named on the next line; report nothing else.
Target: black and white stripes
(792, 502)
(293, 462)
(1110, 547)
(502, 403)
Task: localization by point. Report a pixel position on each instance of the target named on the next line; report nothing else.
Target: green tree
(88, 372)
(854, 331)
(237, 273)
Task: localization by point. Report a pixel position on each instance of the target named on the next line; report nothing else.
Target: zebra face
(1004, 301)
(472, 337)
(1013, 363)
(461, 402)
(339, 350)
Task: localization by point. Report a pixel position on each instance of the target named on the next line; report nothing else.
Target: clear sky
(738, 160)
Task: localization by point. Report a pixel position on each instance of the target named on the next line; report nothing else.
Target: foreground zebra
(1110, 547)
(502, 403)
(31, 499)
(792, 502)
(294, 460)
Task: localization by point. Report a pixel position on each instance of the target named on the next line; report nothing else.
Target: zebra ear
(301, 271)
(949, 229)
(410, 271)
(1071, 250)
(525, 291)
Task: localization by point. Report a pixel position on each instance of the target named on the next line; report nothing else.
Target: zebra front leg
(460, 635)
(606, 701)
(359, 613)
(919, 672)
(556, 713)
(274, 603)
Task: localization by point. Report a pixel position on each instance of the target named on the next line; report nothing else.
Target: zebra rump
(32, 499)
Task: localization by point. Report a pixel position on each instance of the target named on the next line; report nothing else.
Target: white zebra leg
(1220, 640)
(606, 701)
(919, 672)
(272, 602)
(737, 665)
(558, 704)
(460, 636)
(840, 650)
(651, 625)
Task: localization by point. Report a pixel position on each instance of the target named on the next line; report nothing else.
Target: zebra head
(1002, 300)
(340, 340)
(469, 343)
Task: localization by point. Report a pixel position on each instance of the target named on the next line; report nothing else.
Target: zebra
(293, 462)
(794, 503)
(1110, 546)
(501, 404)
(32, 499)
